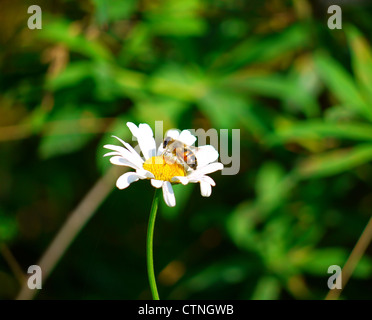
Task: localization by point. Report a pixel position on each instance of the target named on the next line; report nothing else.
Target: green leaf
(363, 269)
(137, 45)
(240, 225)
(341, 84)
(318, 261)
(272, 186)
(168, 110)
(65, 32)
(68, 130)
(114, 10)
(180, 82)
(227, 110)
(268, 288)
(335, 162)
(72, 75)
(319, 129)
(340, 113)
(361, 55)
(260, 50)
(286, 88)
(37, 118)
(8, 228)
(176, 18)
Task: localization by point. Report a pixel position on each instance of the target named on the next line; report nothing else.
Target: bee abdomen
(190, 159)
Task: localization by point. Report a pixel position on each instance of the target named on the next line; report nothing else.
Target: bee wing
(194, 149)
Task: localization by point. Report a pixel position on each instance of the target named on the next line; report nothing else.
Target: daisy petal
(124, 153)
(173, 133)
(145, 174)
(114, 148)
(126, 179)
(187, 138)
(205, 155)
(133, 128)
(205, 189)
(209, 180)
(120, 161)
(109, 154)
(183, 180)
(168, 194)
(156, 183)
(145, 138)
(201, 178)
(130, 148)
(145, 129)
(212, 167)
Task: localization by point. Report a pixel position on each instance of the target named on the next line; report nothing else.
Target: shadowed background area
(299, 92)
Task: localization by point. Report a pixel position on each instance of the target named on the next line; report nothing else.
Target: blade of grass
(361, 55)
(351, 263)
(334, 162)
(12, 262)
(341, 84)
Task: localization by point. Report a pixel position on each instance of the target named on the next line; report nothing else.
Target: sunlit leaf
(68, 130)
(259, 50)
(341, 84)
(334, 162)
(8, 228)
(319, 129)
(227, 110)
(114, 10)
(318, 261)
(268, 288)
(68, 34)
(176, 18)
(272, 186)
(362, 60)
(287, 89)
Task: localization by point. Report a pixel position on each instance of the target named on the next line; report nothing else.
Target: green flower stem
(149, 246)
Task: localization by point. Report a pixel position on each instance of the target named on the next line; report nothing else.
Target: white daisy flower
(162, 173)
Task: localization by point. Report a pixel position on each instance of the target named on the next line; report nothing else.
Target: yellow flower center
(164, 169)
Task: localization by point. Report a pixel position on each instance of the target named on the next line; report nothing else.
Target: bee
(177, 151)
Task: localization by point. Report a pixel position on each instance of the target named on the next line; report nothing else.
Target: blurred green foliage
(299, 92)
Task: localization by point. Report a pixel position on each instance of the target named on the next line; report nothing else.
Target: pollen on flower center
(162, 169)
